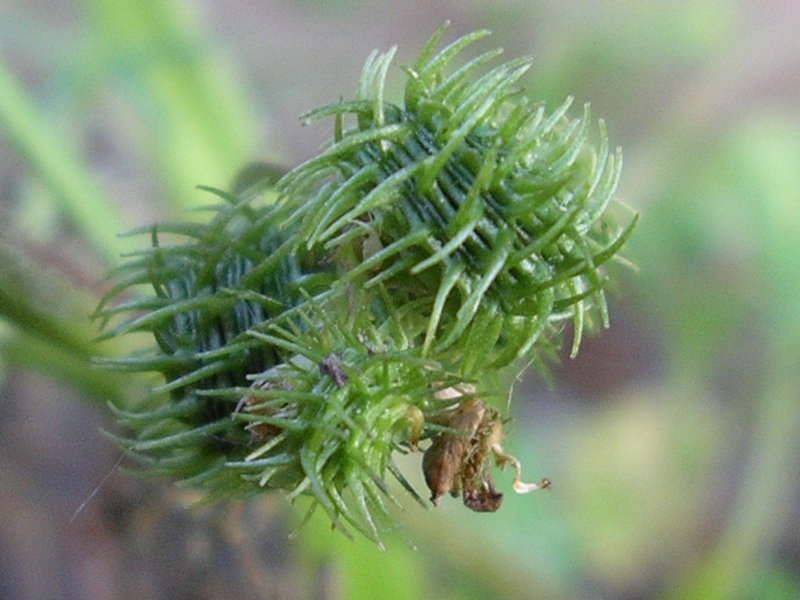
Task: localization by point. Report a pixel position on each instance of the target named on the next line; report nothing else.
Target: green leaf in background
(196, 118)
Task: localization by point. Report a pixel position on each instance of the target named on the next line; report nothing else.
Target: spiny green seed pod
(306, 341)
(468, 201)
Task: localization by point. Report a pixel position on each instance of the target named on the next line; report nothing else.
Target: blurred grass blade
(52, 160)
(199, 124)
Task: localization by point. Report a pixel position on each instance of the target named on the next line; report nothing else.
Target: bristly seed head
(307, 339)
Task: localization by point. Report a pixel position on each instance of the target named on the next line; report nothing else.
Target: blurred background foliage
(672, 440)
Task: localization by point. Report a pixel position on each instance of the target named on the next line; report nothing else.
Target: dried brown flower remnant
(479, 492)
(443, 462)
(259, 430)
(416, 423)
(460, 460)
(332, 367)
(482, 499)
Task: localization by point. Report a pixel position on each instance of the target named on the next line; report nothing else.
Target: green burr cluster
(317, 323)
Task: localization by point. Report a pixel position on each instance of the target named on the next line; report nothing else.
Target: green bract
(305, 341)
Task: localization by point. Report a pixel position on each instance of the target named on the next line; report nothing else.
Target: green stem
(74, 370)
